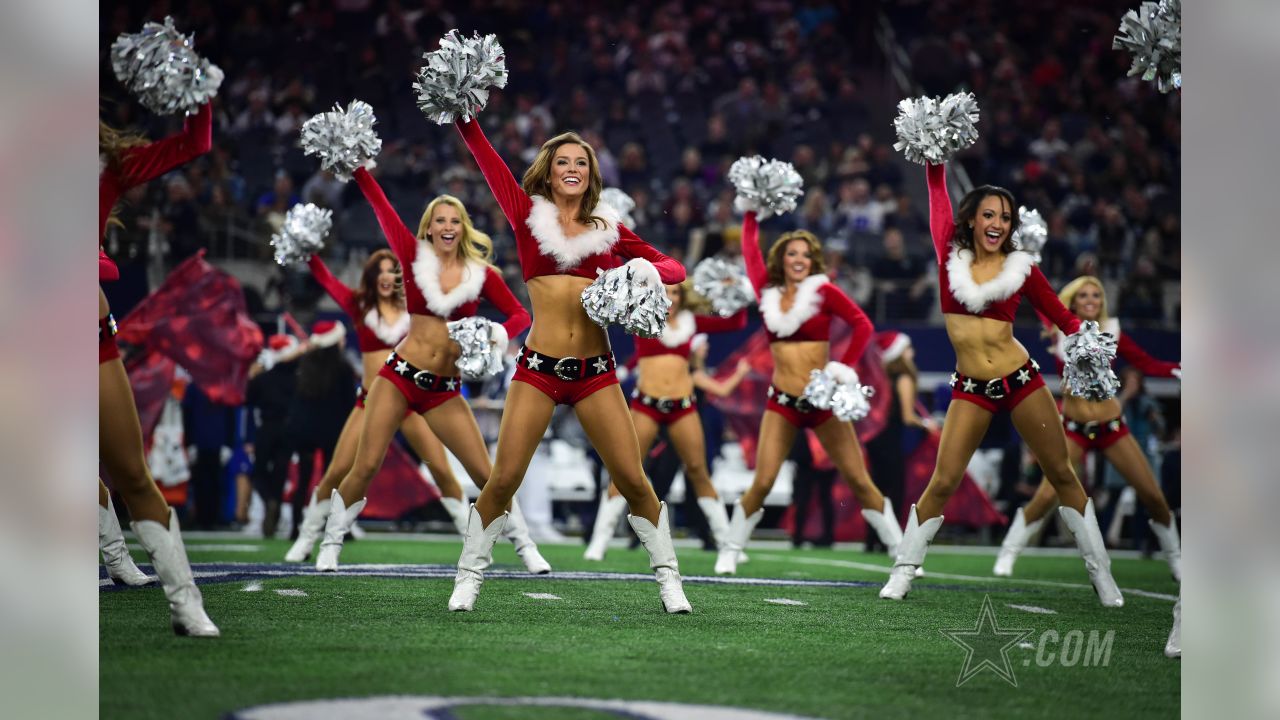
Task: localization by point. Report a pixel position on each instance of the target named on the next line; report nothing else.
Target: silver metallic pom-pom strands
(1089, 353)
(723, 284)
(454, 83)
(302, 235)
(850, 402)
(769, 187)
(620, 297)
(475, 336)
(1032, 232)
(620, 201)
(932, 130)
(343, 139)
(1153, 35)
(159, 66)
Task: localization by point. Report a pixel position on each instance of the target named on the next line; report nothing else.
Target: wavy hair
(773, 264)
(968, 210)
(474, 245)
(367, 292)
(537, 179)
(1071, 289)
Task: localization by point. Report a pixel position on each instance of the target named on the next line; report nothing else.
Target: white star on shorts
(533, 361)
(450, 384)
(783, 399)
(601, 365)
(1024, 376)
(954, 379)
(1035, 364)
(402, 367)
(969, 385)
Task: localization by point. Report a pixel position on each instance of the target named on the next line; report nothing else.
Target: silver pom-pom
(1153, 35)
(620, 201)
(724, 284)
(455, 81)
(1032, 233)
(622, 296)
(302, 235)
(343, 139)
(932, 130)
(848, 401)
(159, 66)
(1089, 353)
(769, 187)
(481, 357)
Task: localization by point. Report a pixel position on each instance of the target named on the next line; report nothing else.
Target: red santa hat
(280, 342)
(327, 333)
(892, 344)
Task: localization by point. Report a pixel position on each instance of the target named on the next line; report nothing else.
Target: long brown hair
(968, 210)
(817, 264)
(537, 179)
(367, 292)
(111, 146)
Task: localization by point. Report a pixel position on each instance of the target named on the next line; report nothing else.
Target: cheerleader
(564, 235)
(982, 279)
(420, 375)
(126, 161)
(664, 397)
(797, 303)
(377, 309)
(1099, 425)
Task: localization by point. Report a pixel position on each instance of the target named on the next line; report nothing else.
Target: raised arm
(495, 290)
(1137, 357)
(506, 190)
(403, 243)
(757, 273)
(630, 246)
(839, 304)
(341, 294)
(147, 162)
(717, 324)
(941, 222)
(1046, 302)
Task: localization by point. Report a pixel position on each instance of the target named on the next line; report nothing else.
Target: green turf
(845, 654)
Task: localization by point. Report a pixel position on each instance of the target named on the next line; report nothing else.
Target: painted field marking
(291, 592)
(1033, 609)
(784, 601)
(212, 547)
(255, 586)
(542, 596)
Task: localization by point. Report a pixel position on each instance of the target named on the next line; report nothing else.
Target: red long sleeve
(341, 294)
(506, 190)
(717, 324)
(147, 162)
(757, 273)
(403, 243)
(1137, 357)
(838, 304)
(941, 217)
(1046, 302)
(495, 290)
(630, 246)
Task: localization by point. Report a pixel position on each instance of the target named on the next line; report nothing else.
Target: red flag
(151, 378)
(969, 506)
(396, 490)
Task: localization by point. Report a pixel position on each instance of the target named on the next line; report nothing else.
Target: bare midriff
(427, 347)
(665, 376)
(1081, 410)
(561, 327)
(985, 348)
(793, 361)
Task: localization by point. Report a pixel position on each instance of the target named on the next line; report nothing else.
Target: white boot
(911, 552)
(1015, 541)
(740, 528)
(517, 531)
(314, 516)
(885, 523)
(457, 509)
(1173, 647)
(718, 522)
(115, 554)
(1094, 551)
(336, 525)
(169, 558)
(477, 554)
(608, 515)
(1171, 544)
(662, 559)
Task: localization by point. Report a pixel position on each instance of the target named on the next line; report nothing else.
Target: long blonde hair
(537, 179)
(1069, 292)
(817, 263)
(475, 245)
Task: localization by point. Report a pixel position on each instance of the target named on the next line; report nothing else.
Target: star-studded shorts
(796, 410)
(664, 411)
(567, 381)
(1095, 435)
(107, 348)
(424, 391)
(362, 394)
(1000, 393)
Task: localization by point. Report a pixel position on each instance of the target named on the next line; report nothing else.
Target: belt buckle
(1090, 429)
(665, 405)
(994, 389)
(564, 366)
(421, 376)
(803, 405)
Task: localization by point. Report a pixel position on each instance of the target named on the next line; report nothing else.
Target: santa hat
(327, 333)
(276, 343)
(892, 344)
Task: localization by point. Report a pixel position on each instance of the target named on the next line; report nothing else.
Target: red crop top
(997, 298)
(423, 294)
(147, 162)
(372, 334)
(678, 339)
(817, 300)
(540, 241)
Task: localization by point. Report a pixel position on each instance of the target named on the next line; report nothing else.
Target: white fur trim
(841, 373)
(544, 223)
(976, 297)
(389, 333)
(498, 336)
(330, 338)
(426, 272)
(645, 272)
(806, 304)
(673, 336)
(896, 348)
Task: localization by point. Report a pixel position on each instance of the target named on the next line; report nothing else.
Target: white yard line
(784, 601)
(1033, 609)
(542, 596)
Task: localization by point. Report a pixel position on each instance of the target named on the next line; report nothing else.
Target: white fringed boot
(608, 515)
(340, 520)
(885, 523)
(1015, 541)
(1094, 551)
(718, 522)
(517, 531)
(477, 554)
(169, 558)
(457, 509)
(115, 554)
(1170, 543)
(1173, 647)
(662, 559)
(911, 552)
(740, 528)
(314, 516)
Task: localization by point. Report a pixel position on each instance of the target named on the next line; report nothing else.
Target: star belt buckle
(568, 369)
(994, 389)
(423, 379)
(666, 405)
